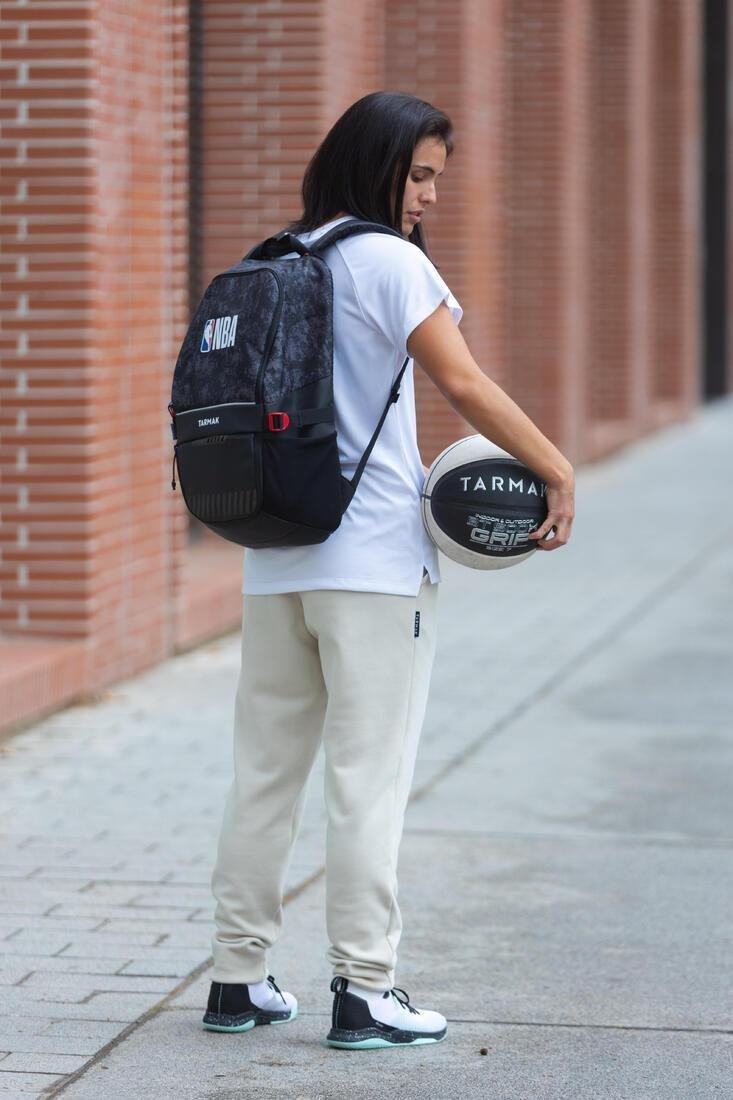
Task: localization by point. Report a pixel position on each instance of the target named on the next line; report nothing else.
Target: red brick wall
(567, 226)
(46, 430)
(257, 116)
(93, 301)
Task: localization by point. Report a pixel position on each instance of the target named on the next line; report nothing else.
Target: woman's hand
(438, 347)
(560, 514)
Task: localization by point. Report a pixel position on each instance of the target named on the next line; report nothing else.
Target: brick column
(134, 296)
(47, 201)
(638, 198)
(94, 265)
(690, 142)
(269, 81)
(674, 202)
(616, 220)
(450, 55)
(534, 152)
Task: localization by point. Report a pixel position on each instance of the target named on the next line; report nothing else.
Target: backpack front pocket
(221, 476)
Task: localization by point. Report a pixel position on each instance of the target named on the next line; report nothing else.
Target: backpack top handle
(275, 247)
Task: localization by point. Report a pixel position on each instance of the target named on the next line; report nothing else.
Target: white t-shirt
(383, 287)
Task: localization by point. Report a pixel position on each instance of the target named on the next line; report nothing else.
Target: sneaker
(364, 1018)
(234, 1006)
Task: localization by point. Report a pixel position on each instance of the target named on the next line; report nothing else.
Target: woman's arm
(439, 348)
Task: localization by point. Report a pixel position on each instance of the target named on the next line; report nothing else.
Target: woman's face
(428, 162)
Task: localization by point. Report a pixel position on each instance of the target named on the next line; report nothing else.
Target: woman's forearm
(492, 412)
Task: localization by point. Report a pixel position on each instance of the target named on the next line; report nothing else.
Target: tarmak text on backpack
(253, 417)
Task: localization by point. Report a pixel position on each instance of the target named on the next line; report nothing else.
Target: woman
(338, 638)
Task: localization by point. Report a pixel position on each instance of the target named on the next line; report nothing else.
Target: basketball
(479, 505)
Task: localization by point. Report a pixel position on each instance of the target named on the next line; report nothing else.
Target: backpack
(252, 411)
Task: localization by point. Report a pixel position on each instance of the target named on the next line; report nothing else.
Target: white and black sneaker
(365, 1018)
(234, 1006)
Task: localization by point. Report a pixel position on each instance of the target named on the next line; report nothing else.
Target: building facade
(144, 146)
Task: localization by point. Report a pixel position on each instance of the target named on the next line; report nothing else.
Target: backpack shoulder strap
(284, 242)
(394, 393)
(339, 233)
(350, 229)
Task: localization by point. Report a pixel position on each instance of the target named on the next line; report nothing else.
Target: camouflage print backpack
(252, 410)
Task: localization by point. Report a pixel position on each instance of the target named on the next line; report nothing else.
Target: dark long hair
(362, 164)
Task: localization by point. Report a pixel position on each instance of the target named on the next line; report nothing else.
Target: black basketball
(480, 504)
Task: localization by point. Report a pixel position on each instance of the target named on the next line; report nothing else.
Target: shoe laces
(339, 985)
(271, 980)
(406, 1003)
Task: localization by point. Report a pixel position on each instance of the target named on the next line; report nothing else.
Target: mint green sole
(293, 1014)
(372, 1044)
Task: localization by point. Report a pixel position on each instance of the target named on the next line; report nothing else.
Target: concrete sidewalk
(566, 873)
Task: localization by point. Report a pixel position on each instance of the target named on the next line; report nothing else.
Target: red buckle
(284, 422)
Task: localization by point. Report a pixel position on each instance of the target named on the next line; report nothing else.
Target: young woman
(330, 647)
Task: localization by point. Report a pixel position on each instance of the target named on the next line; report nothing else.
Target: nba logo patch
(208, 335)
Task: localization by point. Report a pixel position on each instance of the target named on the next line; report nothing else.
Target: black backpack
(252, 398)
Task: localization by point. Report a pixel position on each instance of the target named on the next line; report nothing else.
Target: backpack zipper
(273, 324)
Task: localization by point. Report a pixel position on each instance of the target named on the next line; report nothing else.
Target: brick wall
(567, 226)
(93, 300)
(47, 275)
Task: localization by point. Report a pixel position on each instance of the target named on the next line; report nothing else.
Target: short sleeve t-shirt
(383, 287)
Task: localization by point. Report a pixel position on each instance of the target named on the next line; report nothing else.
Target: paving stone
(159, 966)
(22, 1085)
(25, 907)
(110, 893)
(12, 969)
(32, 941)
(126, 912)
(76, 988)
(179, 896)
(28, 1042)
(99, 944)
(163, 951)
(139, 876)
(64, 964)
(38, 1062)
(121, 1007)
(101, 1030)
(183, 932)
(43, 891)
(8, 926)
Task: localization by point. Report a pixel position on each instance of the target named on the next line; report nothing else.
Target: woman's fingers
(559, 520)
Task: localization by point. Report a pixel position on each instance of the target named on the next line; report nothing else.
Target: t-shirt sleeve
(397, 286)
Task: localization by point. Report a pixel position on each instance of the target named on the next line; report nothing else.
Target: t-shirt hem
(387, 588)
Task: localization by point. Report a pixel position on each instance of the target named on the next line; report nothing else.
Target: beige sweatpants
(352, 669)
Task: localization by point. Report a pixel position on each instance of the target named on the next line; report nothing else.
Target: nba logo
(208, 335)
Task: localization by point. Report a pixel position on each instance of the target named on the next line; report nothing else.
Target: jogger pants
(351, 669)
